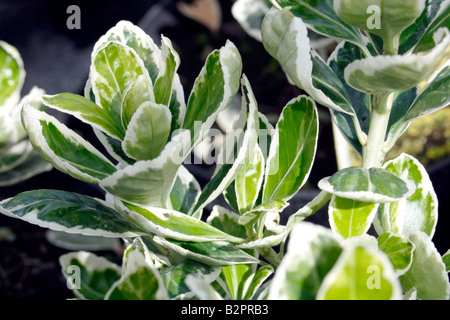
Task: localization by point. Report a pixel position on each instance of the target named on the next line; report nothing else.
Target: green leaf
(168, 66)
(435, 16)
(361, 273)
(243, 280)
(134, 37)
(72, 241)
(311, 253)
(114, 69)
(235, 151)
(446, 259)
(386, 74)
(427, 273)
(249, 14)
(175, 225)
(234, 278)
(114, 148)
(148, 131)
(349, 217)
(344, 54)
(185, 191)
(419, 211)
(96, 274)
(174, 277)
(216, 254)
(368, 185)
(399, 250)
(135, 95)
(248, 182)
(434, 97)
(292, 150)
(139, 280)
(149, 183)
(322, 18)
(177, 104)
(15, 155)
(226, 221)
(285, 38)
(393, 16)
(84, 110)
(213, 89)
(69, 212)
(33, 165)
(12, 74)
(257, 280)
(62, 147)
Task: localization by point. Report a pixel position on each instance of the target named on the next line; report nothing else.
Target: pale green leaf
(393, 16)
(368, 185)
(134, 37)
(114, 69)
(135, 95)
(248, 182)
(419, 211)
(350, 217)
(361, 273)
(148, 131)
(12, 75)
(427, 273)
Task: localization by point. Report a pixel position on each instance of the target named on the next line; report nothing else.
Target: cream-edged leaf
(285, 37)
(63, 148)
(386, 74)
(368, 185)
(147, 132)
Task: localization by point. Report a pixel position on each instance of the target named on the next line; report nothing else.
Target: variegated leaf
(65, 149)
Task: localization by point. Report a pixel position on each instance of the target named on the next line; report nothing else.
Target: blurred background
(57, 59)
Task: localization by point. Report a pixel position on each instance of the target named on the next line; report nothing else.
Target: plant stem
(391, 47)
(373, 154)
(271, 256)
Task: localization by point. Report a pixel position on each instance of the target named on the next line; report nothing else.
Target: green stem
(271, 256)
(391, 47)
(373, 154)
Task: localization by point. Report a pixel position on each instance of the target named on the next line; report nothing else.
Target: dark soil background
(57, 59)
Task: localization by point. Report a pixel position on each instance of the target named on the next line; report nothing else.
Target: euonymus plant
(18, 160)
(375, 84)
